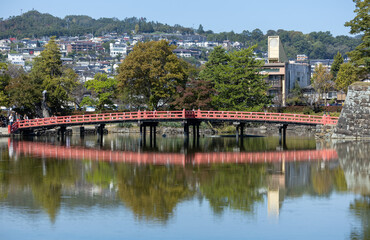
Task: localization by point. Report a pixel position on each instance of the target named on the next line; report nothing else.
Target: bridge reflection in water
(44, 150)
(278, 175)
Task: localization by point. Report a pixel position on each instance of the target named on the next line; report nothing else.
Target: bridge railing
(265, 116)
(173, 115)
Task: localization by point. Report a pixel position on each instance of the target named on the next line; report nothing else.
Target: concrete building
(16, 59)
(117, 49)
(281, 74)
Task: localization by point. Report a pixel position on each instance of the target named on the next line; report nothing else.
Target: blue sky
(216, 15)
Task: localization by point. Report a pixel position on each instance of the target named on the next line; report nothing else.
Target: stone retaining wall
(354, 120)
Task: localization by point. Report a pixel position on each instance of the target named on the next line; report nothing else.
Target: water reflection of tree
(234, 186)
(325, 180)
(45, 178)
(4, 175)
(152, 192)
(361, 209)
(101, 174)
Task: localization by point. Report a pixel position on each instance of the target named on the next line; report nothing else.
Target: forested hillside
(35, 24)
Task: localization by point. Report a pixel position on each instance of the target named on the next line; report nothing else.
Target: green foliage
(4, 82)
(295, 97)
(200, 29)
(236, 79)
(316, 45)
(25, 94)
(150, 74)
(35, 24)
(104, 88)
(360, 57)
(346, 76)
(106, 45)
(48, 74)
(322, 81)
(338, 60)
(49, 62)
(88, 101)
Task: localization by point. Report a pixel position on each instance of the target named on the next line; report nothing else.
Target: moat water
(218, 188)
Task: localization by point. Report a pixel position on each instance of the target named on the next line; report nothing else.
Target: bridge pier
(239, 130)
(152, 133)
(82, 131)
(100, 132)
(196, 134)
(282, 134)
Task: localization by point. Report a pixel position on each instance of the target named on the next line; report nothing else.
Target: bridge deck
(162, 116)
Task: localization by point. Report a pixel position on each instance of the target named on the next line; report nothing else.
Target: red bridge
(43, 150)
(163, 116)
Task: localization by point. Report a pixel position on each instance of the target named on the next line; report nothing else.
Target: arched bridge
(44, 150)
(166, 116)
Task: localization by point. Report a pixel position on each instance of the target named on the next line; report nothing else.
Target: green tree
(25, 94)
(237, 80)
(346, 76)
(360, 57)
(59, 83)
(149, 75)
(4, 82)
(338, 60)
(104, 88)
(200, 29)
(322, 81)
(295, 96)
(49, 62)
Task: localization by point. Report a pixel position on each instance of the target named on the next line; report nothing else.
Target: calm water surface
(218, 189)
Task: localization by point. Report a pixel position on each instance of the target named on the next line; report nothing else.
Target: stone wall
(354, 120)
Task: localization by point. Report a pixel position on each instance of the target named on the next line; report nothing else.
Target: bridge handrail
(174, 115)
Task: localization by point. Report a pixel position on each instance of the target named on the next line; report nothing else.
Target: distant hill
(36, 24)
(316, 45)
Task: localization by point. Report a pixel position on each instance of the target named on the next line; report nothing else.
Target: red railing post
(324, 119)
(183, 113)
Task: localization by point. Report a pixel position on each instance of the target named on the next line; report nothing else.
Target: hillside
(35, 24)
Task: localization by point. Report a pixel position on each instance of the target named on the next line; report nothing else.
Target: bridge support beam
(82, 131)
(239, 130)
(100, 132)
(152, 133)
(100, 129)
(282, 134)
(187, 124)
(62, 130)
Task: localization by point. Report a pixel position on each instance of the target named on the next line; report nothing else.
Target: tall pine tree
(237, 80)
(338, 60)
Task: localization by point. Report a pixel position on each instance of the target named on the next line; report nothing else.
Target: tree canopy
(322, 81)
(346, 76)
(150, 74)
(47, 74)
(237, 80)
(360, 57)
(338, 60)
(104, 89)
